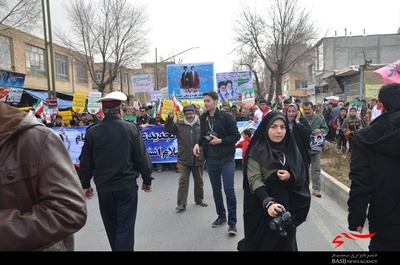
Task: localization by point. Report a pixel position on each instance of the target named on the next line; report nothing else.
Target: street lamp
(173, 56)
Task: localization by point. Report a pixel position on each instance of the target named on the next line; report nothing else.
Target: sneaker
(180, 207)
(202, 203)
(316, 193)
(159, 170)
(220, 221)
(232, 230)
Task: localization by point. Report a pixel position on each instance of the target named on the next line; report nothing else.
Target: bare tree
(21, 14)
(281, 37)
(110, 33)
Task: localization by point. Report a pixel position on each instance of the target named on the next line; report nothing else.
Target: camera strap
(284, 160)
(209, 123)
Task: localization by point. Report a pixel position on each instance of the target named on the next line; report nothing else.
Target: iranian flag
(39, 107)
(156, 107)
(100, 113)
(159, 104)
(177, 104)
(139, 104)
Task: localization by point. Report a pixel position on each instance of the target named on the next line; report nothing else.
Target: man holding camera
(219, 134)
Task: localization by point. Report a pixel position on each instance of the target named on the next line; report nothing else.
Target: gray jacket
(187, 136)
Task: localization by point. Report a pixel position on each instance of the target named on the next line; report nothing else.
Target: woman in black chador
(274, 183)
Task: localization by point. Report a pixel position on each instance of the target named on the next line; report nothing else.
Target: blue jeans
(215, 169)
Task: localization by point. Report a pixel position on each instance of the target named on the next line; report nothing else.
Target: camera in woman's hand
(281, 221)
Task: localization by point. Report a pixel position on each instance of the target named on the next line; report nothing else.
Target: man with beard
(187, 132)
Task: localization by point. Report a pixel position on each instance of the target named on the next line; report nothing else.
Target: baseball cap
(189, 108)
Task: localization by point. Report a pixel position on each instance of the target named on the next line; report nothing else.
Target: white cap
(116, 95)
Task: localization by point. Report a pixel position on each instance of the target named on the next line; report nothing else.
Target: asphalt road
(160, 228)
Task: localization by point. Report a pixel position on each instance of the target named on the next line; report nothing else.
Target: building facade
(344, 66)
(25, 53)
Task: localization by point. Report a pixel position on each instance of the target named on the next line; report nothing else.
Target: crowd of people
(280, 165)
(78, 119)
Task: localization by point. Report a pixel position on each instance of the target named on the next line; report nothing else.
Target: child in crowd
(244, 143)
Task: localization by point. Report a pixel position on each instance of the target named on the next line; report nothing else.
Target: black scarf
(261, 151)
(264, 151)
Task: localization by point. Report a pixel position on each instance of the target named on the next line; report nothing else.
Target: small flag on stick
(39, 107)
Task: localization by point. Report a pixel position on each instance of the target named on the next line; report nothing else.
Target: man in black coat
(115, 155)
(375, 175)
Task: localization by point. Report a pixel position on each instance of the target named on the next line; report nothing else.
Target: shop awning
(62, 103)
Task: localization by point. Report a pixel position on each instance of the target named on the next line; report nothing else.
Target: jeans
(223, 173)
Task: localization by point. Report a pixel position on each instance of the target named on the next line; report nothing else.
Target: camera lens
(272, 225)
(281, 221)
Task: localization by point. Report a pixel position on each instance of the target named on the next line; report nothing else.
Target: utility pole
(48, 42)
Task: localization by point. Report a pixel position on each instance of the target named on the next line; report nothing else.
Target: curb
(335, 189)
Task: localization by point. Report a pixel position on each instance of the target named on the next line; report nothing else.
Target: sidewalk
(340, 193)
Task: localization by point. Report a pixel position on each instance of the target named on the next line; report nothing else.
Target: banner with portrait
(188, 82)
(235, 87)
(317, 142)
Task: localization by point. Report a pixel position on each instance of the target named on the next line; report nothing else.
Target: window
(34, 60)
(285, 86)
(5, 53)
(81, 72)
(125, 79)
(61, 67)
(116, 77)
(99, 76)
(301, 84)
(320, 58)
(311, 73)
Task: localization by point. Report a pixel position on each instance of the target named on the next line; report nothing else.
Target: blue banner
(12, 79)
(73, 138)
(189, 81)
(162, 146)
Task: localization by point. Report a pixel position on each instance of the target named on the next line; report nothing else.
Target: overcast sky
(208, 24)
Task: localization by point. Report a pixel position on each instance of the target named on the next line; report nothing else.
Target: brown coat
(41, 199)
(187, 138)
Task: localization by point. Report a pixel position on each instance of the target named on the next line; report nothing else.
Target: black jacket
(114, 153)
(226, 128)
(375, 178)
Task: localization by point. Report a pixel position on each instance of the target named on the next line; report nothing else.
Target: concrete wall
(341, 52)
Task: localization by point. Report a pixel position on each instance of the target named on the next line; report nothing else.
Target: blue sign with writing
(11, 79)
(162, 146)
